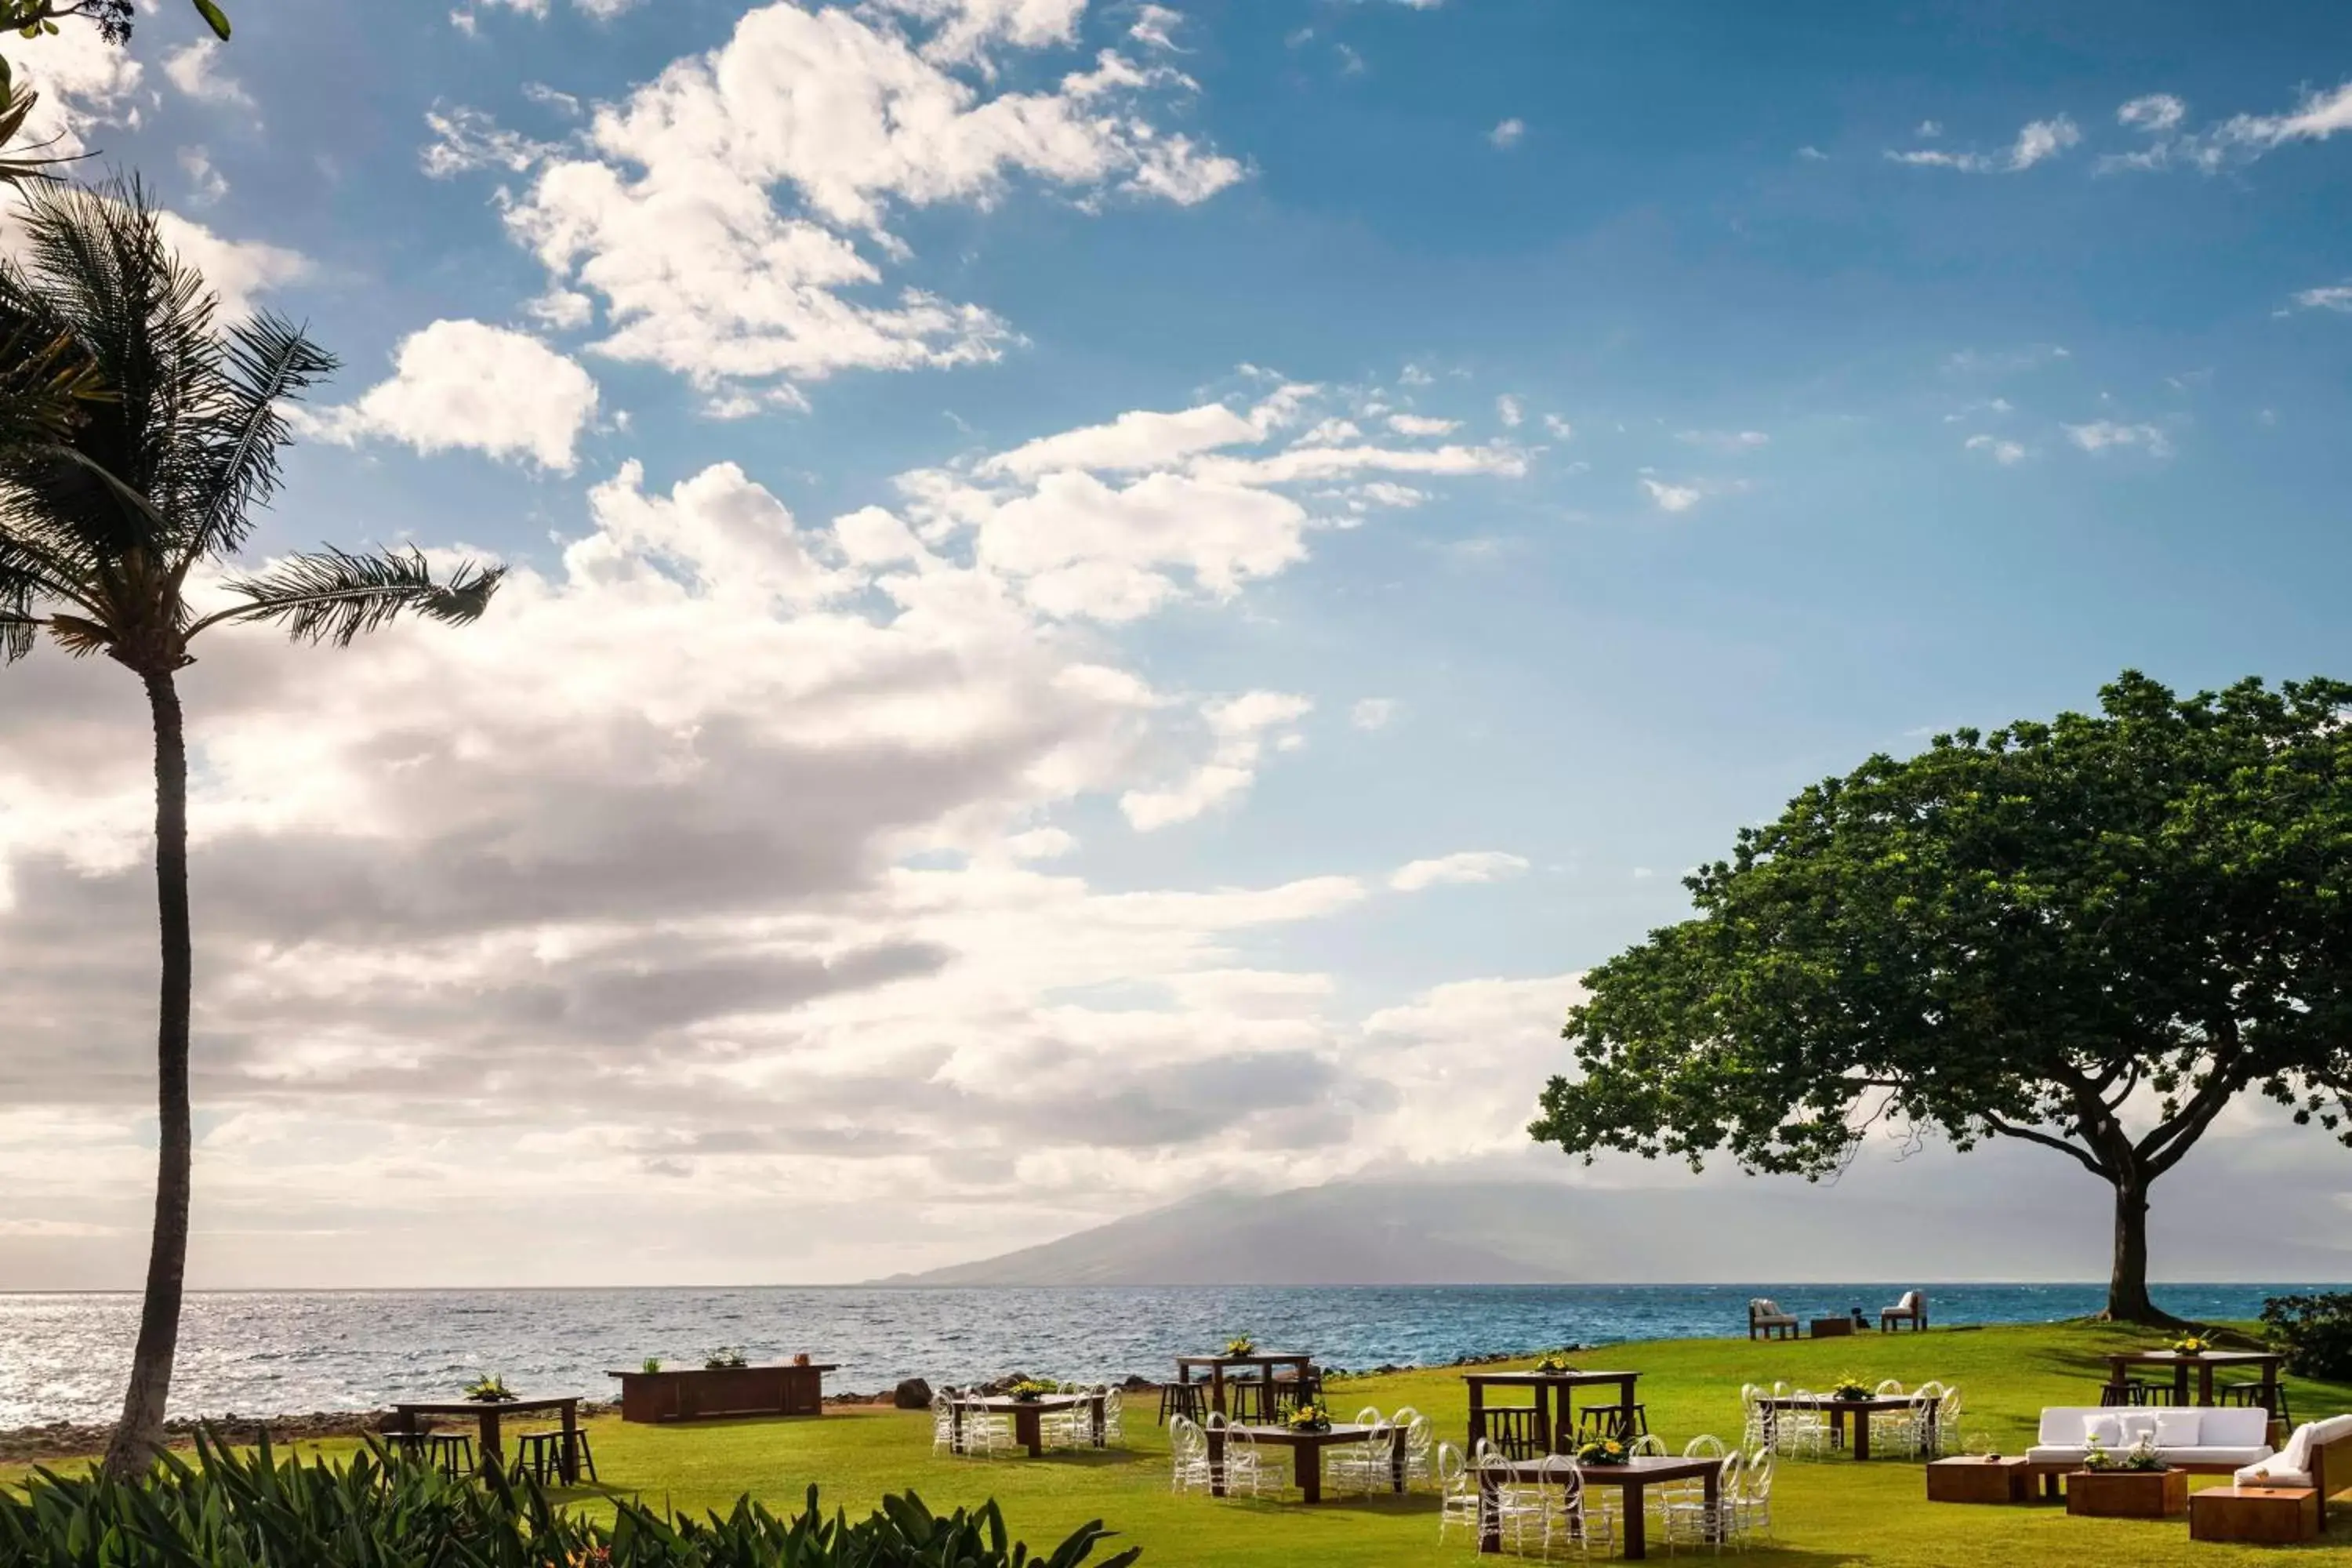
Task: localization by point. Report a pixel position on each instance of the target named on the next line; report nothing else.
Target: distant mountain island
(1976, 1218)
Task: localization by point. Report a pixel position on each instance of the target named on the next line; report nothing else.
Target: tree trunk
(140, 1438)
(2128, 1298)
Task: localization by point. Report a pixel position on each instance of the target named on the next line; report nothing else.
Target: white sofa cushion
(2176, 1429)
(2209, 1454)
(2333, 1429)
(2139, 1425)
(2234, 1426)
(2262, 1475)
(2105, 1429)
(2054, 1454)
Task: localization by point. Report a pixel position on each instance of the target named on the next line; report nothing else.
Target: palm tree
(137, 434)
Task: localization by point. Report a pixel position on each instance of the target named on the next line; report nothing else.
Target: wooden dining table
(1305, 1453)
(1268, 1364)
(490, 1415)
(1554, 1391)
(1631, 1478)
(1839, 1409)
(1028, 1416)
(2265, 1362)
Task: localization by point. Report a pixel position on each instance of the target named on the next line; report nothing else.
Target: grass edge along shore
(1826, 1513)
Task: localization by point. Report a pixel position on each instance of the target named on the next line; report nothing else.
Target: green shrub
(2318, 1332)
(228, 1510)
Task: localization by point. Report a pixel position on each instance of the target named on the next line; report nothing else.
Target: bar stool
(1250, 1400)
(406, 1448)
(540, 1453)
(2273, 1399)
(453, 1451)
(1186, 1399)
(1623, 1422)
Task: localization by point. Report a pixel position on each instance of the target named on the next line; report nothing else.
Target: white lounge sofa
(2318, 1454)
(2210, 1440)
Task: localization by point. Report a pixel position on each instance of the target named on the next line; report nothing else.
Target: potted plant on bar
(1553, 1362)
(1307, 1418)
(725, 1358)
(489, 1389)
(1849, 1388)
(2191, 1345)
(1603, 1451)
(1240, 1345)
(1030, 1390)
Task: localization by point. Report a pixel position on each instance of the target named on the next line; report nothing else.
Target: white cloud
(733, 214)
(1930, 129)
(1510, 133)
(236, 269)
(195, 69)
(1238, 726)
(1510, 411)
(2001, 451)
(1155, 25)
(83, 83)
(2106, 435)
(2037, 141)
(1201, 517)
(1733, 442)
(1669, 497)
(1419, 424)
(2239, 139)
(2155, 111)
(1812, 154)
(1372, 712)
(1469, 866)
(2332, 297)
(1558, 427)
(1138, 439)
(460, 384)
(205, 185)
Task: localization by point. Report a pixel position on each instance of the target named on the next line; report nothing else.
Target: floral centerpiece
(1307, 1418)
(1554, 1362)
(2191, 1345)
(1240, 1344)
(1030, 1389)
(801, 1358)
(489, 1389)
(653, 1363)
(725, 1358)
(1850, 1387)
(1603, 1451)
(2141, 1457)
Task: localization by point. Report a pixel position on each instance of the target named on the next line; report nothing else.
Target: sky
(1109, 599)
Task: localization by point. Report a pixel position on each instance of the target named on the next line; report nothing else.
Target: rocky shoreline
(73, 1441)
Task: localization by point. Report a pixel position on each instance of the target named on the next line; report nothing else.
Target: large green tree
(137, 437)
(2090, 935)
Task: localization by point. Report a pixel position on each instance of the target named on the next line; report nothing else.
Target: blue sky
(1732, 393)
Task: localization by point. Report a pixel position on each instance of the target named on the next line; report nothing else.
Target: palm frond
(93, 266)
(335, 596)
(269, 361)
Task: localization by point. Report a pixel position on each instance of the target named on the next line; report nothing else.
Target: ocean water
(63, 1357)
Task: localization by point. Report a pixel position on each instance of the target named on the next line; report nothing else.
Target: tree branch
(2030, 1135)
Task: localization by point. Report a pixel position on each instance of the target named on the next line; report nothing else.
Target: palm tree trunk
(140, 1437)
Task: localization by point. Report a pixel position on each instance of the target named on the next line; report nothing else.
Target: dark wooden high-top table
(1839, 1409)
(1305, 1453)
(1631, 1478)
(1028, 1425)
(491, 1415)
(2265, 1362)
(1266, 1362)
(1559, 1435)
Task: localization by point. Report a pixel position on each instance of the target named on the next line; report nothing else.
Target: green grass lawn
(1830, 1511)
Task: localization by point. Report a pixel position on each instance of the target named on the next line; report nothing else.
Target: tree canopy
(2090, 934)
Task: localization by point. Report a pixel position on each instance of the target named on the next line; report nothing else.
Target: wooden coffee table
(2127, 1494)
(1976, 1479)
(2265, 1516)
(1830, 1327)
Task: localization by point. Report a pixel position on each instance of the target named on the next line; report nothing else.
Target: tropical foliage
(2090, 934)
(257, 1510)
(2316, 1331)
